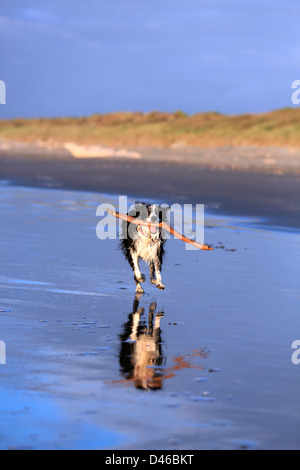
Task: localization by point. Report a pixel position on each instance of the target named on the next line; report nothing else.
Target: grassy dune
(278, 128)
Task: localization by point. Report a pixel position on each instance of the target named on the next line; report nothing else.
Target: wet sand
(220, 334)
(245, 186)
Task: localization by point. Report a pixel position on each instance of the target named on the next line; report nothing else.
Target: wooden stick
(129, 218)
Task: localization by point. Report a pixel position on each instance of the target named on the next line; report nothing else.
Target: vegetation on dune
(277, 128)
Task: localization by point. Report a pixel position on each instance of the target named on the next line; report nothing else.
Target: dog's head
(151, 213)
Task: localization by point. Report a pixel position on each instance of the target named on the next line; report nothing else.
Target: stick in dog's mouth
(163, 225)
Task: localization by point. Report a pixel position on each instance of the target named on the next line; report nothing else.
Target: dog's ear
(138, 210)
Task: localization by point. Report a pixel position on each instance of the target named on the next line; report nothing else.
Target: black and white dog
(146, 243)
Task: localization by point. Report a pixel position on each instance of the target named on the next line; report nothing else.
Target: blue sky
(70, 58)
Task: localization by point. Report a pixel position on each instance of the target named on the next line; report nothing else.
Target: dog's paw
(160, 286)
(142, 278)
(153, 280)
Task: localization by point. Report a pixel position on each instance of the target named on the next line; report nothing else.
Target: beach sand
(221, 332)
(257, 182)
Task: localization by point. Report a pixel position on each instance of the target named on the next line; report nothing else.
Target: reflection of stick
(163, 225)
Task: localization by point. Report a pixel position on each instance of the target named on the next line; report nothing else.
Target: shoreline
(271, 197)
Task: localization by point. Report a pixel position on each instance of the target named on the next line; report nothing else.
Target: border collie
(146, 243)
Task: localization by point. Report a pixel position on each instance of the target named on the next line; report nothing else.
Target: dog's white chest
(146, 249)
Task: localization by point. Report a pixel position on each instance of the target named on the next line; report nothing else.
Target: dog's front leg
(138, 277)
(157, 265)
(152, 275)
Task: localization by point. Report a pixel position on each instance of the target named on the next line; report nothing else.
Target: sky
(75, 58)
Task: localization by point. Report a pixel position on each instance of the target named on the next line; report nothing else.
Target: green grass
(277, 128)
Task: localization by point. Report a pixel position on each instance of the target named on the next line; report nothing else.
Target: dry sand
(274, 160)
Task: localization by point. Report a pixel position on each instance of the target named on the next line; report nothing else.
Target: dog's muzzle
(153, 230)
(151, 233)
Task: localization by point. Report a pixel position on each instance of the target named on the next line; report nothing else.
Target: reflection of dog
(146, 243)
(141, 351)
